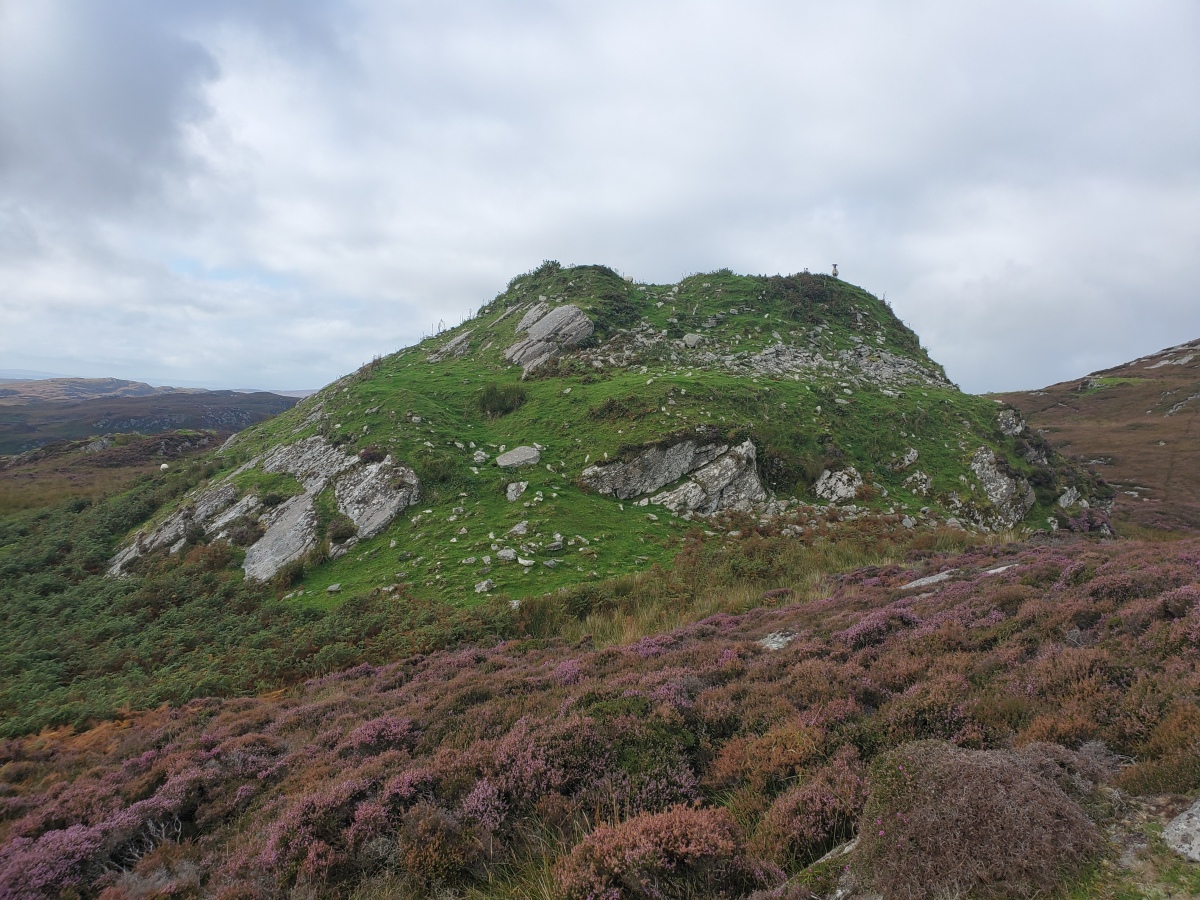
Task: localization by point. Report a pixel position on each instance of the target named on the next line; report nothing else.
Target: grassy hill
(819, 375)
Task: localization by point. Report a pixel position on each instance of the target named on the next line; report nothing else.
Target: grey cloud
(290, 188)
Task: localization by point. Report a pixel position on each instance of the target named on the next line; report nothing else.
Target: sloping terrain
(90, 468)
(1136, 426)
(30, 420)
(579, 423)
(556, 768)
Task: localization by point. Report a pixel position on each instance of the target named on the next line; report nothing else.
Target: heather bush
(942, 821)
(683, 852)
(808, 820)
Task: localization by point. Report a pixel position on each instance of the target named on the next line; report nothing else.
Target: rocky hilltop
(579, 423)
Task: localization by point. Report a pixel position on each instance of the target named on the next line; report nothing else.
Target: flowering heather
(629, 764)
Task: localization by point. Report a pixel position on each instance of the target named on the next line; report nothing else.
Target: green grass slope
(865, 395)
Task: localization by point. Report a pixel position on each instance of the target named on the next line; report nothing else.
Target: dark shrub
(434, 846)
(942, 821)
(496, 400)
(683, 852)
(340, 528)
(372, 453)
(244, 532)
(272, 498)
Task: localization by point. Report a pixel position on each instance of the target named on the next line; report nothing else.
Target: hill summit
(579, 424)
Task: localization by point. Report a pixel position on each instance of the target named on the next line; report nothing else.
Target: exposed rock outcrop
(730, 482)
(653, 468)
(1183, 833)
(839, 486)
(291, 535)
(549, 333)
(372, 495)
(455, 347)
(1011, 498)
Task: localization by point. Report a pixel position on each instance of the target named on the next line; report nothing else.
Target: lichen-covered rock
(549, 334)
(839, 486)
(653, 468)
(372, 495)
(730, 482)
(291, 535)
(519, 456)
(1011, 423)
(1011, 498)
(515, 489)
(1183, 833)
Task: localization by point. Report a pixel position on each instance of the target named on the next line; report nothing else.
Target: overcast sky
(268, 194)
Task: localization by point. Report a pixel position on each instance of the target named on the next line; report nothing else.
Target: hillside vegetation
(819, 377)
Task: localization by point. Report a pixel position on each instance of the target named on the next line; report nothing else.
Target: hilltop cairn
(370, 495)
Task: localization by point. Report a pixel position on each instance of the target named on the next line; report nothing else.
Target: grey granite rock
(1183, 833)
(518, 456)
(839, 486)
(290, 536)
(730, 482)
(372, 495)
(455, 347)
(1011, 498)
(515, 489)
(651, 469)
(548, 335)
(313, 461)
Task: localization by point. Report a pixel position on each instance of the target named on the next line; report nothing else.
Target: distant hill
(36, 413)
(1136, 426)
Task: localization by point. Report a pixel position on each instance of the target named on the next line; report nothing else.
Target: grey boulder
(730, 482)
(837, 487)
(1183, 833)
(518, 456)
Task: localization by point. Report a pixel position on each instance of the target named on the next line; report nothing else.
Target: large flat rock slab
(550, 332)
(291, 535)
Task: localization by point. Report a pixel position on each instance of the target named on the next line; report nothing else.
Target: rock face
(372, 495)
(728, 482)
(1183, 833)
(1011, 423)
(456, 346)
(1011, 498)
(548, 333)
(837, 487)
(519, 456)
(292, 534)
(653, 468)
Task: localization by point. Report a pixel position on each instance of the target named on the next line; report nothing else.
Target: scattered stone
(515, 490)
(838, 486)
(692, 341)
(520, 528)
(929, 579)
(480, 457)
(333, 589)
(484, 586)
(776, 640)
(506, 555)
(1069, 498)
(518, 456)
(525, 562)
(908, 522)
